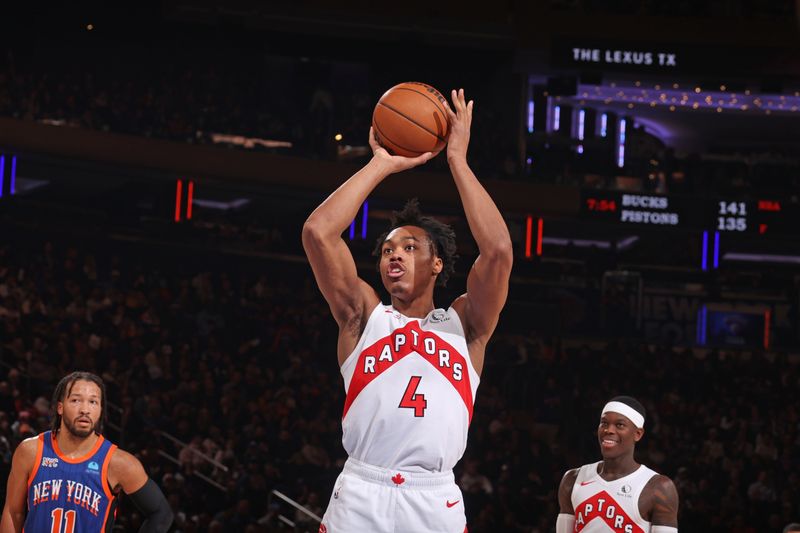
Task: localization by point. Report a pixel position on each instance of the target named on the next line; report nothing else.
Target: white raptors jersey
(606, 506)
(410, 389)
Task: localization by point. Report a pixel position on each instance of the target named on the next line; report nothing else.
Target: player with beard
(68, 479)
(617, 493)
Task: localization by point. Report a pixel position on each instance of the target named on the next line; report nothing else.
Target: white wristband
(663, 529)
(565, 523)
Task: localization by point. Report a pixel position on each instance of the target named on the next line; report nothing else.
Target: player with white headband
(617, 494)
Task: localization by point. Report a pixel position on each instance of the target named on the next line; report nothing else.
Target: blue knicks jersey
(70, 495)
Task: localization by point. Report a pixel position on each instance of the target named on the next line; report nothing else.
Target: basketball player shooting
(617, 493)
(410, 370)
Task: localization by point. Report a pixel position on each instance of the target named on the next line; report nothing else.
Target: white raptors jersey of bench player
(410, 389)
(606, 506)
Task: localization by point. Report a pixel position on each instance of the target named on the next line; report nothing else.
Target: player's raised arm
(349, 297)
(487, 282)
(15, 508)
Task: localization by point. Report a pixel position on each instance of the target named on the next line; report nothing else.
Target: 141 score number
(732, 216)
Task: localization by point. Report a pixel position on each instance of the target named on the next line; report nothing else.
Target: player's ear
(438, 265)
(60, 409)
(637, 436)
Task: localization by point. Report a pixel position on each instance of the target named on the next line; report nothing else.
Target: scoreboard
(762, 216)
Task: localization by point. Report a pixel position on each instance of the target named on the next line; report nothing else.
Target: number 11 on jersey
(412, 400)
(58, 515)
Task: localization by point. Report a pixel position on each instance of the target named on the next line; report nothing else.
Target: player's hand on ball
(396, 163)
(460, 117)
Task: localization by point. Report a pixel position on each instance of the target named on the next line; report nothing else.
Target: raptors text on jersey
(410, 391)
(609, 506)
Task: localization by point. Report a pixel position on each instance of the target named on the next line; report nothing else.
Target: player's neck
(73, 446)
(418, 308)
(617, 467)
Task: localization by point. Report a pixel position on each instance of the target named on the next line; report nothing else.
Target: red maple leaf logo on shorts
(398, 479)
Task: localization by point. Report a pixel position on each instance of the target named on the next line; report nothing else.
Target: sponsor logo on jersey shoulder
(439, 316)
(625, 491)
(51, 462)
(449, 504)
(93, 468)
(584, 483)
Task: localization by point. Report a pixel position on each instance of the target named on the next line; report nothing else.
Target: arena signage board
(664, 59)
(616, 56)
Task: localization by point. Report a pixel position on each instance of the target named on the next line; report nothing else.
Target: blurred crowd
(240, 98)
(125, 91)
(238, 363)
(715, 9)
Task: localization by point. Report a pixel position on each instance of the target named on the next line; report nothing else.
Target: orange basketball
(410, 119)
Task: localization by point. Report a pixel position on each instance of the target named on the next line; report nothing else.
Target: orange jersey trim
(104, 475)
(85, 457)
(38, 461)
(106, 487)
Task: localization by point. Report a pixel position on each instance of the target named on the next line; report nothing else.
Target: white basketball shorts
(367, 498)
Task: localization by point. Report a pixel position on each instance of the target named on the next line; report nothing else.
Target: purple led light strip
(364, 221)
(704, 263)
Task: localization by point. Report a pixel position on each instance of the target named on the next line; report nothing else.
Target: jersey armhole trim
(583, 470)
(355, 352)
(38, 461)
(104, 476)
(468, 357)
(652, 473)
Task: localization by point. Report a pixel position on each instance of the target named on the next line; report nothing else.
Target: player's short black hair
(442, 236)
(62, 391)
(631, 402)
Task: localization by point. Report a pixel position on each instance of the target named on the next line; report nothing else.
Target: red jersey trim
(415, 342)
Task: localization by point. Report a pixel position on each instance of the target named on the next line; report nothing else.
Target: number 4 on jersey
(412, 400)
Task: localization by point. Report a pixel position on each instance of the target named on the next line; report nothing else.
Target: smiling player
(617, 494)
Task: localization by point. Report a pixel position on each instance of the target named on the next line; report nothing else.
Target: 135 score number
(732, 216)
